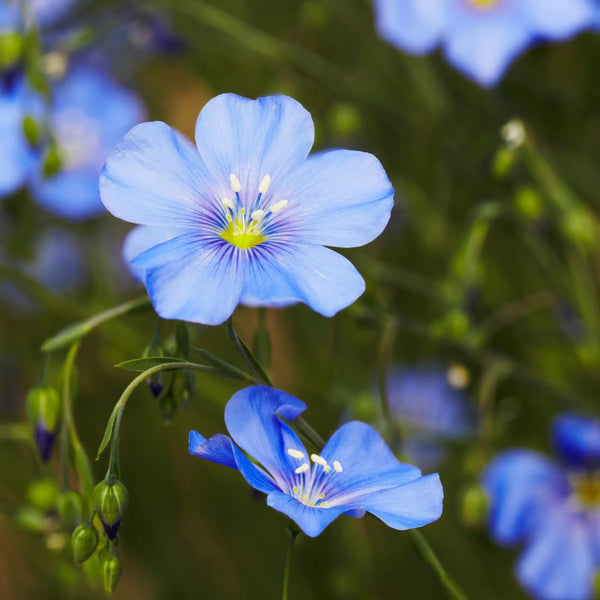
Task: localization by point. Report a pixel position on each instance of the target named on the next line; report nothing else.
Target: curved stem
(288, 560)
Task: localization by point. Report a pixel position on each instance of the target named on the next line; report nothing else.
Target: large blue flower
(554, 508)
(480, 37)
(89, 114)
(245, 216)
(355, 473)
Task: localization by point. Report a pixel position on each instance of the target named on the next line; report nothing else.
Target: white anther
(337, 466)
(227, 203)
(278, 206)
(326, 468)
(302, 468)
(318, 459)
(264, 184)
(513, 133)
(236, 186)
(295, 453)
(257, 215)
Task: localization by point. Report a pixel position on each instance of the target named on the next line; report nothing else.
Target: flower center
(483, 4)
(78, 138)
(587, 490)
(245, 228)
(310, 489)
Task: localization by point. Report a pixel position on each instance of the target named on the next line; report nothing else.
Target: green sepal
(43, 405)
(111, 500)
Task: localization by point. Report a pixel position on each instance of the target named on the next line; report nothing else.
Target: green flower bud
(11, 47)
(474, 506)
(31, 130)
(345, 120)
(111, 572)
(156, 381)
(168, 406)
(43, 494)
(70, 508)
(111, 500)
(84, 542)
(52, 161)
(43, 409)
(529, 202)
(580, 226)
(503, 162)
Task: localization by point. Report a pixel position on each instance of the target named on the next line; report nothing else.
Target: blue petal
(412, 25)
(484, 49)
(251, 421)
(520, 485)
(155, 176)
(253, 138)
(413, 504)
(558, 563)
(368, 465)
(577, 440)
(559, 19)
(253, 474)
(192, 278)
(311, 520)
(279, 274)
(143, 238)
(339, 198)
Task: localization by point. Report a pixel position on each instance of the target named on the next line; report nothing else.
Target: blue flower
(480, 37)
(429, 410)
(43, 12)
(553, 508)
(355, 473)
(245, 216)
(90, 113)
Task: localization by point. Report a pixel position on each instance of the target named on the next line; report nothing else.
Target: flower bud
(43, 494)
(43, 407)
(111, 572)
(111, 503)
(474, 506)
(11, 48)
(155, 382)
(84, 541)
(70, 508)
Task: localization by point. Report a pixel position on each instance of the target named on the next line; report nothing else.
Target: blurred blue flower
(355, 473)
(553, 508)
(429, 409)
(89, 114)
(245, 216)
(480, 37)
(14, 14)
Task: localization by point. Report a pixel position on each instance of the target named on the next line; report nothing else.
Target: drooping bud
(84, 542)
(111, 498)
(474, 506)
(155, 382)
(43, 407)
(111, 572)
(70, 508)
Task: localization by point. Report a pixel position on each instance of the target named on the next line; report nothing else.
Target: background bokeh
(490, 262)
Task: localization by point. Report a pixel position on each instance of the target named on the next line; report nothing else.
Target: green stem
(114, 424)
(288, 560)
(386, 347)
(427, 553)
(256, 369)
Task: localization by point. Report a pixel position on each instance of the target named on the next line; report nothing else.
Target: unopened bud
(156, 380)
(84, 541)
(52, 161)
(70, 508)
(43, 407)
(474, 506)
(167, 407)
(11, 47)
(43, 494)
(111, 503)
(111, 572)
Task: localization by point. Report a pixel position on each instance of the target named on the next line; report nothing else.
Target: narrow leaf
(223, 366)
(143, 364)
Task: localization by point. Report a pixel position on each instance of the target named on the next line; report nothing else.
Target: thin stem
(288, 560)
(427, 553)
(257, 371)
(386, 347)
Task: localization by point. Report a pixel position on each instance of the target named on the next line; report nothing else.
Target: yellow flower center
(587, 490)
(245, 228)
(483, 4)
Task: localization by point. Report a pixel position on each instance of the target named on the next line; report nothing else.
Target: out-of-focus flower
(245, 216)
(89, 114)
(480, 37)
(355, 473)
(431, 408)
(14, 13)
(553, 508)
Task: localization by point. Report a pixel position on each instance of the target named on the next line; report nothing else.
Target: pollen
(319, 460)
(302, 468)
(337, 466)
(264, 184)
(278, 206)
(236, 186)
(295, 453)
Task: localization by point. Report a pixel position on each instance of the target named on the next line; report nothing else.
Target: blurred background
(483, 289)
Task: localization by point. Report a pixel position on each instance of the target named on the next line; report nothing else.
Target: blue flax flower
(355, 473)
(43, 12)
(429, 409)
(245, 216)
(479, 37)
(553, 508)
(89, 114)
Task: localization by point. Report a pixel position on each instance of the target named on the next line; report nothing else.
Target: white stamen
(236, 186)
(278, 206)
(337, 466)
(227, 203)
(318, 459)
(326, 468)
(302, 468)
(257, 215)
(264, 184)
(295, 453)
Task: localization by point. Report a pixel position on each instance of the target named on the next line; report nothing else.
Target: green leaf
(143, 364)
(223, 366)
(108, 431)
